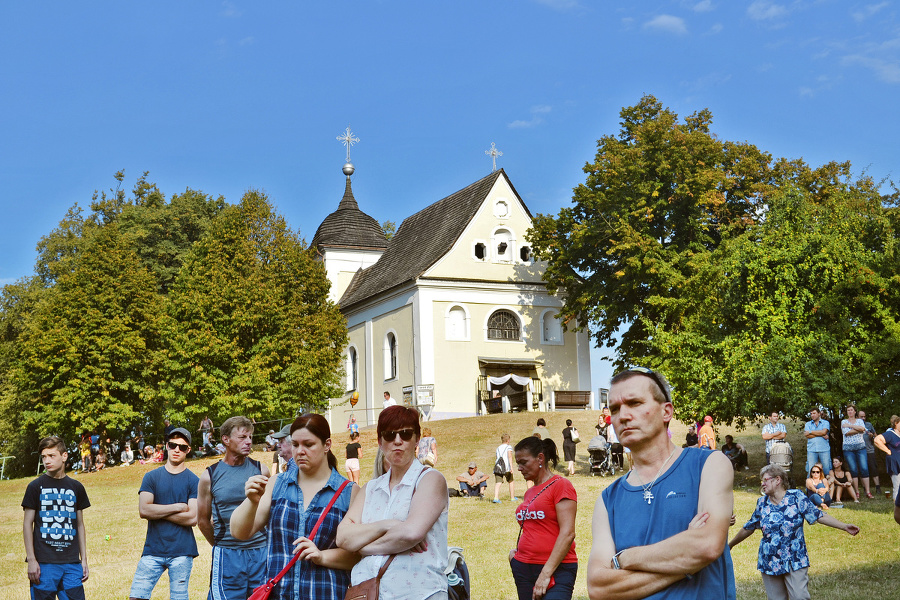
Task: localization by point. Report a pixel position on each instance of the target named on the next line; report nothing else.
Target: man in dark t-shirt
(56, 551)
(168, 500)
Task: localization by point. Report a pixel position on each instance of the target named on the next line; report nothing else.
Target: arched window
(503, 245)
(503, 325)
(352, 369)
(390, 356)
(457, 324)
(551, 328)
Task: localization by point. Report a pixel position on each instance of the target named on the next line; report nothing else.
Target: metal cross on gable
(348, 139)
(493, 153)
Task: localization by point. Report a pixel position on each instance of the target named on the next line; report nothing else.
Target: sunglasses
(657, 379)
(405, 435)
(182, 447)
(815, 471)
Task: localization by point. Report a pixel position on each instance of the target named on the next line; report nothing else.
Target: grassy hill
(842, 567)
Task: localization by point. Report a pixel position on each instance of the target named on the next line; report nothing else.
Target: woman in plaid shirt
(289, 504)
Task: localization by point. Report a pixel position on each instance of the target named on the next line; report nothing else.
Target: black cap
(285, 431)
(180, 432)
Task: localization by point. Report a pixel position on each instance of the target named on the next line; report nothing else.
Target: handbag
(428, 461)
(368, 589)
(263, 591)
(575, 437)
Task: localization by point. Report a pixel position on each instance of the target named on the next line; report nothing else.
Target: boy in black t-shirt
(55, 540)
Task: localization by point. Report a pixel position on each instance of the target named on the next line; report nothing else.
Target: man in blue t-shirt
(168, 500)
(660, 531)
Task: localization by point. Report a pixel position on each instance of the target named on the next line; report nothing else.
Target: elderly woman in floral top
(780, 513)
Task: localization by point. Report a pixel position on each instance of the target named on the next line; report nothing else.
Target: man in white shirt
(388, 401)
(773, 431)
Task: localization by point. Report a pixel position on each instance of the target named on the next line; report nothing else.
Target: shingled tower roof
(349, 227)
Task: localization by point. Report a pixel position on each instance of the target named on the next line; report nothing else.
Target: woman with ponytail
(289, 504)
(544, 564)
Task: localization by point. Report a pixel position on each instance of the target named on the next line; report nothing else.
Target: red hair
(397, 417)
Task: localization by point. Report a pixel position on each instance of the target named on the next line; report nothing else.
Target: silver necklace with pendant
(648, 494)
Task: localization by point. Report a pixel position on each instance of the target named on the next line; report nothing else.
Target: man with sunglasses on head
(168, 500)
(661, 530)
(238, 566)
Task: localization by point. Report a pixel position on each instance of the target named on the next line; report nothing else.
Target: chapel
(450, 315)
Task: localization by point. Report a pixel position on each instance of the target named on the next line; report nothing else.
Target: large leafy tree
(660, 194)
(698, 255)
(250, 329)
(795, 312)
(83, 352)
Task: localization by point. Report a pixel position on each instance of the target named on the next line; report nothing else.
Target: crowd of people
(304, 530)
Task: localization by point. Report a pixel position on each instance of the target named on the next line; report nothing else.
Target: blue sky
(227, 96)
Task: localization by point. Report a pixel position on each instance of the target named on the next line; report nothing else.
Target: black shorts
(500, 478)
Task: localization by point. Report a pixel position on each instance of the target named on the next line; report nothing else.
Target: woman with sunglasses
(290, 504)
(780, 512)
(544, 564)
(817, 487)
(401, 515)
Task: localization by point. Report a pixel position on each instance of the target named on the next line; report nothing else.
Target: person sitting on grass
(817, 487)
(735, 453)
(841, 482)
(473, 482)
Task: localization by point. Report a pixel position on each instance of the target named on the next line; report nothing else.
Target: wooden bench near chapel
(571, 399)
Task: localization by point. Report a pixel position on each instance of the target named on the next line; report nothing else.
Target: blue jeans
(150, 569)
(236, 572)
(823, 457)
(59, 581)
(857, 462)
(525, 575)
(468, 490)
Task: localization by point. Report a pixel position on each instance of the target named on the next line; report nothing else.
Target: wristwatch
(614, 563)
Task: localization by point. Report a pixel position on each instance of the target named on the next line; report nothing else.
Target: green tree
(794, 312)
(250, 329)
(658, 197)
(754, 283)
(83, 353)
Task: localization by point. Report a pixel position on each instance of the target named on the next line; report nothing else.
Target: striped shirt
(288, 521)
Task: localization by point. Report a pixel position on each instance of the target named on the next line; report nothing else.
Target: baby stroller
(457, 573)
(601, 458)
(783, 455)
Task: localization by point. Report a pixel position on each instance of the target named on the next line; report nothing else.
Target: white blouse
(412, 576)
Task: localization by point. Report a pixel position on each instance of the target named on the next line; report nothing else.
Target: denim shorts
(857, 462)
(59, 581)
(150, 569)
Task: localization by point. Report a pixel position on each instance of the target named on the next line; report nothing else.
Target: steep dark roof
(421, 241)
(349, 227)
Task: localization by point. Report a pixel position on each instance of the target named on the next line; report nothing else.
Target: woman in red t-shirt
(544, 564)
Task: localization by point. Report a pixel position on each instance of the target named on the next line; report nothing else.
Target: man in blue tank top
(661, 530)
(238, 566)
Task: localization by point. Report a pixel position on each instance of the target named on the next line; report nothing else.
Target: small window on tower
(480, 251)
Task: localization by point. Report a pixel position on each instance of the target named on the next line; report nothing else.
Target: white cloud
(535, 120)
(886, 70)
(717, 28)
(667, 23)
(703, 6)
(763, 10)
(868, 11)
(246, 41)
(559, 4)
(230, 10)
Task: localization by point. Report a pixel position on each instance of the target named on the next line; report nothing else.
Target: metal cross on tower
(348, 139)
(493, 153)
